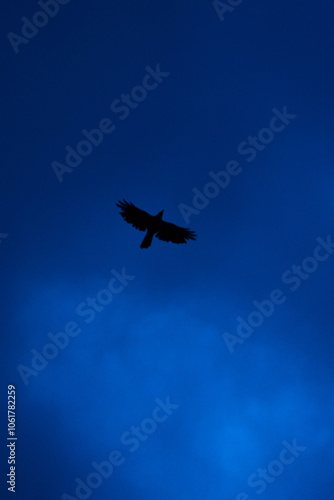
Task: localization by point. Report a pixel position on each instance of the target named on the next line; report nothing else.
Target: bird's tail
(147, 240)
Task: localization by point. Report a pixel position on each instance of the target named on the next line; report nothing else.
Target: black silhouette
(154, 225)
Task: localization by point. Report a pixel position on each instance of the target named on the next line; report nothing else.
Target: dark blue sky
(164, 354)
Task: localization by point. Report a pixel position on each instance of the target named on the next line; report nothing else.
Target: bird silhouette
(154, 225)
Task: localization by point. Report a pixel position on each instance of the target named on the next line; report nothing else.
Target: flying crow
(154, 225)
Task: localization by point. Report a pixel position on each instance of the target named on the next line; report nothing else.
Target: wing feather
(138, 218)
(175, 234)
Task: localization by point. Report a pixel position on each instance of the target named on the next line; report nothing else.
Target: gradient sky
(226, 74)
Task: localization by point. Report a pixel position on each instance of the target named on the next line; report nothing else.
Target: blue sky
(161, 358)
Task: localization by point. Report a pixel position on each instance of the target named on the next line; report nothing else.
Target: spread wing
(173, 233)
(138, 218)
